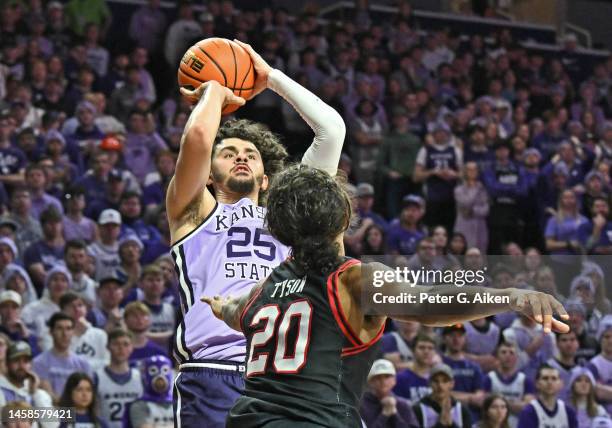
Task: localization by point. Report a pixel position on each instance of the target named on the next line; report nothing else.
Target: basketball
(221, 60)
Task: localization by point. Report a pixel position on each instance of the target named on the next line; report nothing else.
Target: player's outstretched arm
(229, 309)
(443, 305)
(193, 164)
(328, 126)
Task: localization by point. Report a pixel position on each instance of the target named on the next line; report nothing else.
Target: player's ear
(264, 182)
(209, 182)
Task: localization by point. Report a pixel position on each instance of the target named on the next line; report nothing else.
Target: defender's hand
(216, 304)
(262, 69)
(539, 307)
(227, 94)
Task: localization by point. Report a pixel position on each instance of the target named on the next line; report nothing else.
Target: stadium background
(89, 106)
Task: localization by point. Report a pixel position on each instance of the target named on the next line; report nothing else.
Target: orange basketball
(221, 60)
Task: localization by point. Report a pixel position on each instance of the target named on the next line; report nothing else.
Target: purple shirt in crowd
(44, 202)
(56, 370)
(84, 229)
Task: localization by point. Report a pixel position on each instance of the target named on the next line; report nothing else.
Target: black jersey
(305, 366)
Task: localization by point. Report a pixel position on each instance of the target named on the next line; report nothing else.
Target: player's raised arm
(328, 126)
(441, 305)
(194, 160)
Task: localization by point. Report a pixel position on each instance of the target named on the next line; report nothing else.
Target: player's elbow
(197, 139)
(337, 127)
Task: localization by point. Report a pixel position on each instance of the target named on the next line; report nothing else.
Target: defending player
(220, 245)
(310, 344)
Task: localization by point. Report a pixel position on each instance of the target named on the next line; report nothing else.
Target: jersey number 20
(285, 361)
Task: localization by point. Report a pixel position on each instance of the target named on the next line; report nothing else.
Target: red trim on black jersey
(336, 306)
(247, 307)
(357, 349)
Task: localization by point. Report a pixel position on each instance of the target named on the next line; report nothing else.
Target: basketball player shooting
(310, 343)
(220, 245)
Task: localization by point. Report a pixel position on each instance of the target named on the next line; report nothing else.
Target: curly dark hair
(307, 210)
(273, 153)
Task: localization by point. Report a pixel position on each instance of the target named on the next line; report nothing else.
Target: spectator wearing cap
(468, 388)
(472, 204)
(130, 268)
(36, 180)
(36, 314)
(114, 189)
(594, 187)
(105, 251)
(137, 317)
(596, 234)
(113, 147)
(88, 341)
(548, 141)
(404, 234)
(130, 208)
(582, 398)
(29, 229)
(21, 383)
(107, 313)
(412, 382)
(380, 407)
(510, 382)
(547, 409)
(396, 160)
(365, 202)
(142, 144)
(506, 185)
(48, 252)
(587, 343)
(55, 365)
(11, 323)
(77, 262)
(76, 225)
(147, 26)
(440, 409)
(438, 166)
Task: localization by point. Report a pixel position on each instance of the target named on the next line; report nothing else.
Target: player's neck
(226, 197)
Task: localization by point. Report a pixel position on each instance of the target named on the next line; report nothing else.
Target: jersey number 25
(285, 361)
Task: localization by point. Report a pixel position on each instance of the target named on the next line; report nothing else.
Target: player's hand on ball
(540, 307)
(216, 304)
(262, 68)
(229, 97)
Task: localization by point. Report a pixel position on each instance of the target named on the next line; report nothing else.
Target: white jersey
(114, 392)
(558, 420)
(91, 345)
(163, 318)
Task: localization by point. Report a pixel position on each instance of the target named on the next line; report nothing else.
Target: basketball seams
(235, 62)
(216, 64)
(244, 79)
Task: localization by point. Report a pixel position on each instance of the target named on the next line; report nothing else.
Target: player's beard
(240, 185)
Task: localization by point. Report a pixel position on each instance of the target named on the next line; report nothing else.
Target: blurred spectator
(105, 251)
(547, 409)
(130, 208)
(396, 161)
(443, 260)
(180, 34)
(137, 317)
(8, 253)
(581, 388)
(147, 26)
(595, 234)
(80, 394)
(130, 269)
(366, 130)
(482, 336)
(439, 408)
(404, 234)
(588, 345)
(77, 261)
(75, 224)
(472, 208)
(510, 382)
(97, 56)
(142, 144)
(601, 364)
(583, 289)
(379, 406)
(565, 360)
(494, 412)
(373, 242)
(156, 183)
(57, 364)
(117, 384)
(79, 14)
(397, 345)
(36, 180)
(21, 382)
(163, 317)
(41, 257)
(107, 314)
(412, 382)
(365, 203)
(15, 278)
(88, 342)
(11, 323)
(458, 245)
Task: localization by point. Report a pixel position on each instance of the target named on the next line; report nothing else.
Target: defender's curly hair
(273, 153)
(307, 210)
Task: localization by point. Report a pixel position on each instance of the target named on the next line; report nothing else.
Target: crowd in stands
(457, 147)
